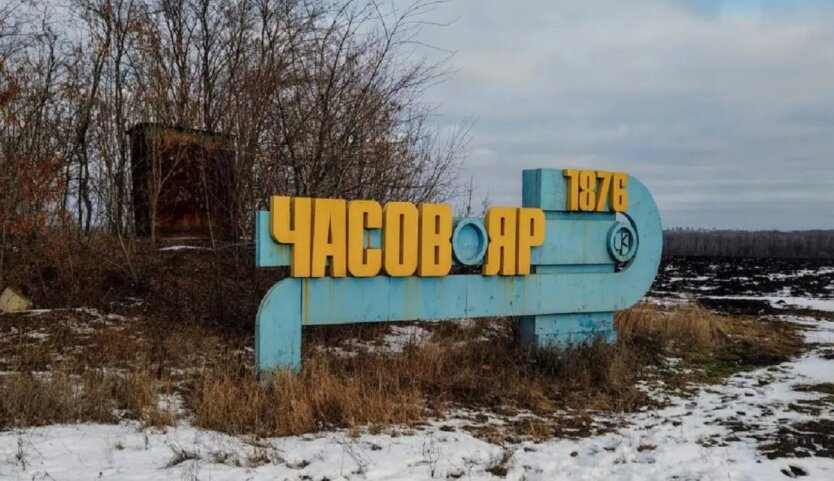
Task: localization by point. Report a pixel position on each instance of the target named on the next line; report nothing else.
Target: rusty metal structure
(183, 182)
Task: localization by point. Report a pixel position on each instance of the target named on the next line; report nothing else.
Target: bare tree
(34, 129)
(320, 98)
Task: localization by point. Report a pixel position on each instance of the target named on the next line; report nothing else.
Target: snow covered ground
(759, 425)
(718, 434)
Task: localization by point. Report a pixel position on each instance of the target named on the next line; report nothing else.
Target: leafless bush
(322, 98)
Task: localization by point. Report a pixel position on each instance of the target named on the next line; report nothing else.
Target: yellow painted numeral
(596, 190)
(604, 182)
(619, 194)
(573, 188)
(587, 190)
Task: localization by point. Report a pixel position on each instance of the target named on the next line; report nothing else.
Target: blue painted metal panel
(559, 301)
(574, 268)
(278, 328)
(344, 300)
(545, 189)
(574, 242)
(426, 298)
(582, 322)
(268, 253)
(559, 330)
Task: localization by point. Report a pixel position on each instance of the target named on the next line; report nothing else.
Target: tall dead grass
(104, 372)
(689, 327)
(372, 388)
(321, 397)
(30, 399)
(62, 270)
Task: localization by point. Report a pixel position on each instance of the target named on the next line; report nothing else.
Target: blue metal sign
(594, 260)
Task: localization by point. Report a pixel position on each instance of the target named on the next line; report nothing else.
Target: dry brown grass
(191, 335)
(104, 371)
(689, 327)
(378, 388)
(95, 396)
(234, 402)
(30, 400)
(711, 346)
(78, 366)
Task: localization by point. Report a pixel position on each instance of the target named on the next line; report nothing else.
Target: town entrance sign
(584, 244)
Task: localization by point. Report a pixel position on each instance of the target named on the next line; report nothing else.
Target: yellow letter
(399, 239)
(363, 214)
(329, 238)
(435, 240)
(290, 221)
(531, 226)
(501, 228)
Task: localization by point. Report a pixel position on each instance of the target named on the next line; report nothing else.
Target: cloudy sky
(724, 108)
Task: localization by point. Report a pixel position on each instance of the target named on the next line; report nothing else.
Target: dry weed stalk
(120, 371)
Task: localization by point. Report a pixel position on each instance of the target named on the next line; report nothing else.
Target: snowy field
(735, 431)
(693, 438)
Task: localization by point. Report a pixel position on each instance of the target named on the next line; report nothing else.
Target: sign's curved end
(643, 215)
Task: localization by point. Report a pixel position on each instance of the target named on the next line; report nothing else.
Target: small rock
(13, 301)
(794, 471)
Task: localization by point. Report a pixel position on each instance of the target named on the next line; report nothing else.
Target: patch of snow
(822, 271)
(813, 303)
(672, 300)
(399, 337)
(182, 248)
(396, 340)
(691, 438)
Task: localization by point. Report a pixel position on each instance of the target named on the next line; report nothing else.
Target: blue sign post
(593, 261)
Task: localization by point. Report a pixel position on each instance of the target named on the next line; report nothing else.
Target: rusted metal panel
(183, 182)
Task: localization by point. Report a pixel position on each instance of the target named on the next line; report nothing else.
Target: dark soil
(715, 276)
(812, 438)
(712, 280)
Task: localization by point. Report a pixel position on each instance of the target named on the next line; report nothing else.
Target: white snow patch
(182, 248)
(813, 303)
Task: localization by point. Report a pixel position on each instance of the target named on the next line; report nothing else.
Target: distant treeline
(812, 244)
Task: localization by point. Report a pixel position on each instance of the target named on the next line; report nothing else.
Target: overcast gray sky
(724, 108)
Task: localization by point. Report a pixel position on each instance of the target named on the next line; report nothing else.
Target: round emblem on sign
(622, 242)
(469, 241)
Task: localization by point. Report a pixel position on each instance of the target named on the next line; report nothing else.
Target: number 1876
(596, 190)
